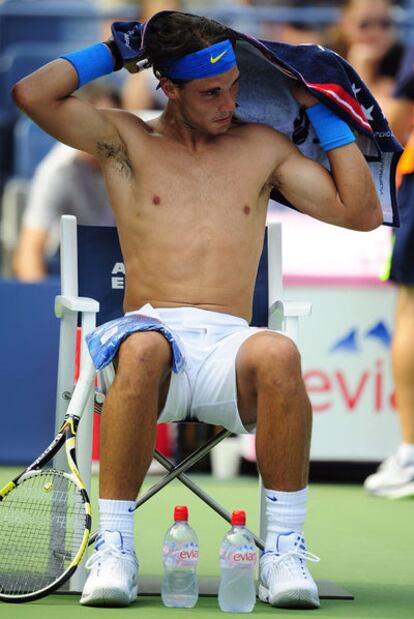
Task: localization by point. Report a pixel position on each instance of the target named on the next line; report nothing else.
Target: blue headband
(207, 62)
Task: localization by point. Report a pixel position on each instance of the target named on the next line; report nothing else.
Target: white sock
(115, 515)
(405, 454)
(285, 512)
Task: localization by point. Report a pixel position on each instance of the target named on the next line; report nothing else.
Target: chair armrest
(284, 316)
(74, 304)
(291, 308)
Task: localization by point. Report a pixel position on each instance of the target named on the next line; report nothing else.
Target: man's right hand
(127, 38)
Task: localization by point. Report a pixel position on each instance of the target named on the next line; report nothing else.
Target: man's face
(208, 104)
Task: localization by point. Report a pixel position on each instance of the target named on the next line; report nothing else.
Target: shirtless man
(189, 192)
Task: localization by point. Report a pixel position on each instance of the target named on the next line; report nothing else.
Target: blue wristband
(91, 62)
(331, 130)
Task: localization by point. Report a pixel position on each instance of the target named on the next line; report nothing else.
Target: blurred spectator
(114, 5)
(297, 30)
(66, 182)
(365, 35)
(395, 477)
(299, 33)
(294, 3)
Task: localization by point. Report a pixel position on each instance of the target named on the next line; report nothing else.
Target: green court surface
(366, 545)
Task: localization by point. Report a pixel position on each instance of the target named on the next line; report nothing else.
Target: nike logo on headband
(217, 58)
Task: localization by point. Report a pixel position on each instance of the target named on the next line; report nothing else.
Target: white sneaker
(285, 581)
(391, 480)
(114, 571)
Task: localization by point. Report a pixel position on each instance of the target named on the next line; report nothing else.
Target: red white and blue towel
(268, 67)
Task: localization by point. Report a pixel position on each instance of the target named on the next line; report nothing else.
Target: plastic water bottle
(237, 592)
(180, 557)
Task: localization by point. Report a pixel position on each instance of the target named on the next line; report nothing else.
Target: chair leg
(184, 465)
(191, 485)
(81, 403)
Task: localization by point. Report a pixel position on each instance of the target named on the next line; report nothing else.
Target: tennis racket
(45, 523)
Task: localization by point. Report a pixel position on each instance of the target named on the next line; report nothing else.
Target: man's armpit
(118, 154)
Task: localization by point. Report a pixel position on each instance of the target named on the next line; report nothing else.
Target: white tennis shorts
(206, 389)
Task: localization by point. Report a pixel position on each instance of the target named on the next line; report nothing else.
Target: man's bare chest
(214, 177)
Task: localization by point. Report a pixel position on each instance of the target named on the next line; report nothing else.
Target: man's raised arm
(346, 196)
(45, 96)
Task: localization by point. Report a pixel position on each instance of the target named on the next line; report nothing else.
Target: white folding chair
(88, 245)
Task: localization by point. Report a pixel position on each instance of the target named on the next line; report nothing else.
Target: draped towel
(104, 341)
(267, 68)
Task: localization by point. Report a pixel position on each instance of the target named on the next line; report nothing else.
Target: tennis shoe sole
(392, 492)
(292, 597)
(106, 596)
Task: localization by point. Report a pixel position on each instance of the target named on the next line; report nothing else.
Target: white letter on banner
(119, 267)
(117, 283)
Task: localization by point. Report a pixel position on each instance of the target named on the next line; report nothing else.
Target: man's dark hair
(174, 35)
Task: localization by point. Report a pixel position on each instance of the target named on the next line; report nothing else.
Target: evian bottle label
(180, 554)
(243, 556)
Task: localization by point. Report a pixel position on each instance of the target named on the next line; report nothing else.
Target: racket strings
(42, 524)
